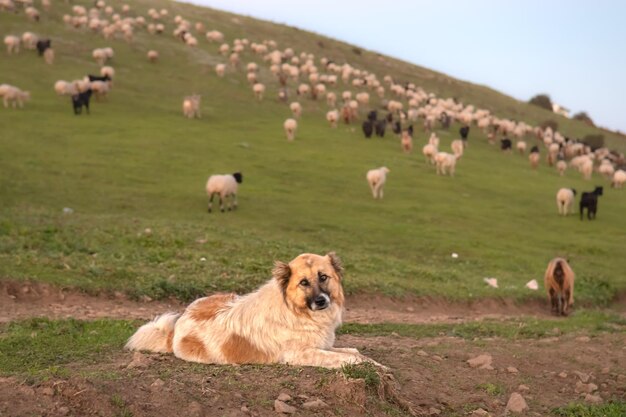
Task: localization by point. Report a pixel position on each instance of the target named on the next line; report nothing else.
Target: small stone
(47, 391)
(583, 339)
(563, 374)
(512, 370)
(145, 298)
(523, 388)
(516, 403)
(605, 370)
(281, 407)
(194, 409)
(64, 411)
(410, 309)
(26, 390)
(158, 383)
(480, 413)
(314, 405)
(588, 388)
(284, 397)
(139, 361)
(432, 411)
(245, 409)
(481, 362)
(421, 353)
(303, 396)
(549, 340)
(582, 376)
(437, 358)
(594, 399)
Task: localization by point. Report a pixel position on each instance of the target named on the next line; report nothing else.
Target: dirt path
(19, 300)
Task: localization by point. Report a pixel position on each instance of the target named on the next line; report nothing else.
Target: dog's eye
(323, 278)
(304, 282)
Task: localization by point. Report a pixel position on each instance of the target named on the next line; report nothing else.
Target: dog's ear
(281, 273)
(336, 263)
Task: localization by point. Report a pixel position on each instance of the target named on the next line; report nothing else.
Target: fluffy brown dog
(291, 319)
(559, 283)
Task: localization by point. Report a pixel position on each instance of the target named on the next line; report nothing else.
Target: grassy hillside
(137, 164)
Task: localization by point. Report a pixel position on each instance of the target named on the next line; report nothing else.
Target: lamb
(191, 106)
(407, 140)
(331, 99)
(589, 200)
(225, 186)
(534, 157)
(296, 109)
(14, 96)
(332, 117)
(587, 169)
(561, 166)
(559, 283)
(619, 178)
(606, 169)
(81, 99)
(565, 200)
(48, 56)
(521, 147)
(376, 179)
(258, 89)
(457, 148)
(12, 43)
(29, 40)
(429, 152)
(64, 88)
(220, 69)
(290, 127)
(445, 163)
(153, 56)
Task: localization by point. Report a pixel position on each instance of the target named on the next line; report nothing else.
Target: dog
(290, 320)
(559, 283)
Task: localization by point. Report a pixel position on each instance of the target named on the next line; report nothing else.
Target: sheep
(363, 98)
(587, 169)
(107, 72)
(429, 151)
(464, 131)
(559, 284)
(457, 148)
(225, 186)
(332, 117)
(445, 163)
(561, 166)
(29, 40)
(619, 178)
(296, 109)
(606, 169)
(215, 36)
(380, 127)
(433, 140)
(565, 200)
(534, 157)
(259, 90)
(100, 88)
(220, 69)
(505, 144)
(81, 99)
(191, 106)
(589, 200)
(100, 55)
(42, 45)
(376, 179)
(290, 126)
(521, 147)
(14, 96)
(233, 59)
(12, 43)
(152, 55)
(407, 140)
(252, 67)
(64, 88)
(32, 14)
(252, 78)
(48, 56)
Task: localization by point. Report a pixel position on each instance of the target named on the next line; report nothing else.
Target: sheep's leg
(234, 197)
(6, 102)
(553, 301)
(373, 188)
(566, 303)
(581, 209)
(221, 203)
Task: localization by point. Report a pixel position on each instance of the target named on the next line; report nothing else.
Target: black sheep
(42, 45)
(81, 99)
(534, 149)
(380, 127)
(368, 128)
(589, 201)
(396, 128)
(505, 144)
(464, 131)
(372, 116)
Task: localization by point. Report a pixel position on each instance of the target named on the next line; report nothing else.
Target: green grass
(365, 371)
(612, 409)
(527, 328)
(136, 163)
(492, 389)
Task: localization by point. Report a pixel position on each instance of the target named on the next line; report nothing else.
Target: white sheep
(457, 148)
(533, 158)
(296, 109)
(14, 96)
(565, 200)
(619, 178)
(100, 88)
(290, 126)
(587, 169)
(225, 186)
(606, 169)
(153, 56)
(331, 99)
(110, 71)
(332, 117)
(64, 88)
(191, 106)
(32, 14)
(521, 147)
(29, 40)
(445, 163)
(363, 98)
(259, 90)
(561, 166)
(48, 56)
(429, 150)
(376, 179)
(433, 140)
(215, 36)
(12, 43)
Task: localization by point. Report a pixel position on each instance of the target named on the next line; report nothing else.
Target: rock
(245, 409)
(303, 396)
(516, 404)
(582, 376)
(512, 370)
(532, 285)
(480, 413)
(549, 340)
(139, 361)
(194, 409)
(588, 388)
(158, 383)
(63, 411)
(605, 370)
(583, 339)
(523, 388)
(26, 390)
(432, 411)
(410, 309)
(281, 407)
(481, 362)
(47, 391)
(314, 405)
(437, 358)
(594, 399)
(145, 298)
(284, 397)
(563, 374)
(421, 353)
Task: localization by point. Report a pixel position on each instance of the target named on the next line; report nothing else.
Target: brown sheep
(559, 283)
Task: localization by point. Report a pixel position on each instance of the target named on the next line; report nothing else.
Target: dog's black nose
(321, 301)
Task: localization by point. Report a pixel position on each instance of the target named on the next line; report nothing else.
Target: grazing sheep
(225, 186)
(331, 99)
(101, 55)
(48, 56)
(290, 126)
(14, 96)
(332, 117)
(534, 157)
(429, 151)
(153, 56)
(445, 163)
(296, 109)
(64, 88)
(100, 88)
(407, 140)
(29, 40)
(565, 200)
(191, 106)
(220, 69)
(559, 284)
(457, 148)
(259, 90)
(12, 43)
(587, 169)
(521, 147)
(589, 200)
(619, 178)
(376, 178)
(380, 127)
(606, 169)
(107, 72)
(252, 78)
(32, 14)
(561, 166)
(81, 99)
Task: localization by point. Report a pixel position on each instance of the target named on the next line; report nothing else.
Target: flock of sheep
(309, 78)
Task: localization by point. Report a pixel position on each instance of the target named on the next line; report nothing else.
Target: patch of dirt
(433, 377)
(20, 300)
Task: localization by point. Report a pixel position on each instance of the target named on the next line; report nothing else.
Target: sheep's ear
(336, 263)
(281, 273)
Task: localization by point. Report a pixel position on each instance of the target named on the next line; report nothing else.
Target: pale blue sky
(573, 50)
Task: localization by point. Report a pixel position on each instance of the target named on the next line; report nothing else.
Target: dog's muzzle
(320, 302)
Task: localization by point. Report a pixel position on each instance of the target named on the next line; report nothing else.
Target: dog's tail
(155, 336)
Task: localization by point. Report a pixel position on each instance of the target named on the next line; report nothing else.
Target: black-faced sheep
(225, 186)
(534, 157)
(42, 45)
(559, 283)
(589, 200)
(464, 131)
(81, 99)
